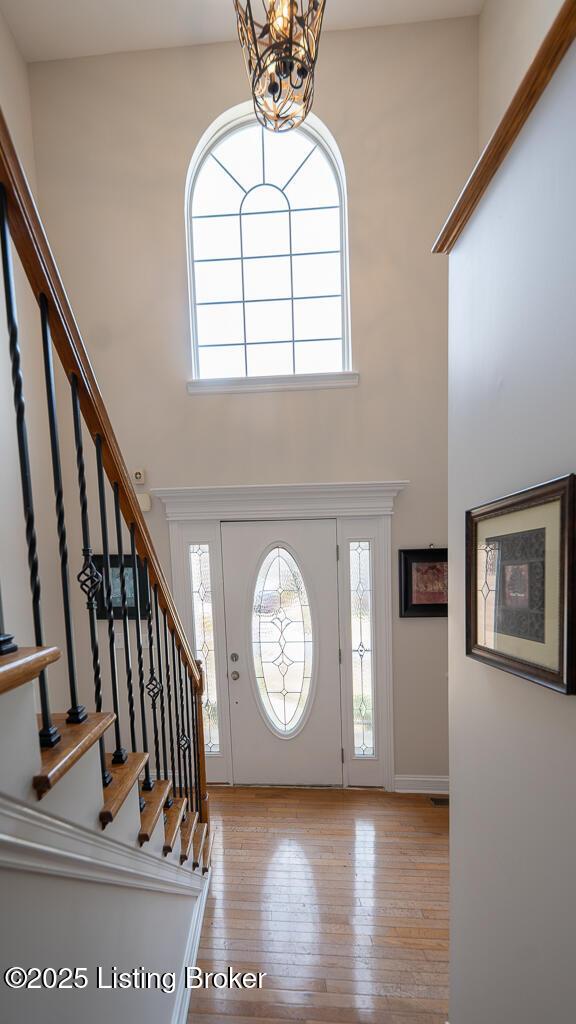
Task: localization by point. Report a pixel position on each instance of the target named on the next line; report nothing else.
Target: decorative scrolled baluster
(147, 784)
(162, 702)
(191, 736)
(49, 735)
(153, 687)
(89, 578)
(184, 739)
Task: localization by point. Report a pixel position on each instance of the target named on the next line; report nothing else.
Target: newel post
(204, 811)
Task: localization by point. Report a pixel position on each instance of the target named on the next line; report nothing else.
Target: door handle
(235, 676)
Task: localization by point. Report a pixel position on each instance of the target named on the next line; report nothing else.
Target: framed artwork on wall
(423, 582)
(520, 584)
(116, 588)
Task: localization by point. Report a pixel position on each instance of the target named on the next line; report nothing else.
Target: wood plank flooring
(341, 896)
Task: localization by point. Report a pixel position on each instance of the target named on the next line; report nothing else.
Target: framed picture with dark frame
(423, 583)
(520, 584)
(116, 589)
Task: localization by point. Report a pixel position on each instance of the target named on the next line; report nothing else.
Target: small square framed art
(423, 582)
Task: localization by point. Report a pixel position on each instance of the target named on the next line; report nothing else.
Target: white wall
(114, 136)
(510, 32)
(59, 922)
(512, 424)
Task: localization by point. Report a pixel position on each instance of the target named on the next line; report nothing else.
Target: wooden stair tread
(123, 778)
(187, 830)
(199, 840)
(207, 859)
(155, 800)
(75, 741)
(24, 665)
(172, 823)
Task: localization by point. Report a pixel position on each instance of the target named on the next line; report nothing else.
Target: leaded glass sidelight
(282, 641)
(361, 627)
(204, 640)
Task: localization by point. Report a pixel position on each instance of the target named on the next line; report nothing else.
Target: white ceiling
(55, 29)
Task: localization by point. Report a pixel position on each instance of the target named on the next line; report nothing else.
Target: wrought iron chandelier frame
(280, 53)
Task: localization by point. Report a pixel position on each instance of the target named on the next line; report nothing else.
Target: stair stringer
(78, 898)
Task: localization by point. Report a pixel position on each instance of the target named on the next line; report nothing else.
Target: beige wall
(15, 103)
(114, 136)
(510, 32)
(512, 425)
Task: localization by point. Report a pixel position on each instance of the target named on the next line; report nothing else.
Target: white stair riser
(19, 748)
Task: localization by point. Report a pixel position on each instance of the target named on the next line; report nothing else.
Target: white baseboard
(422, 784)
(181, 1005)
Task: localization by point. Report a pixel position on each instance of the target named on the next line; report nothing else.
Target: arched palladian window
(268, 257)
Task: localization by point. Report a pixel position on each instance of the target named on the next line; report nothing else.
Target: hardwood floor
(341, 896)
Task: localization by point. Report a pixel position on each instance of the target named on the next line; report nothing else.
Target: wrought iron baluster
(177, 717)
(119, 756)
(169, 696)
(147, 784)
(125, 627)
(153, 686)
(89, 578)
(161, 681)
(7, 645)
(192, 771)
(77, 712)
(184, 740)
(195, 742)
(49, 735)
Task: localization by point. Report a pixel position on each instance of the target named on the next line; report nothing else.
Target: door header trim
(280, 501)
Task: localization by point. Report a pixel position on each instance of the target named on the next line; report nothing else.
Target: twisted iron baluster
(169, 695)
(147, 784)
(77, 712)
(153, 687)
(177, 714)
(89, 578)
(49, 735)
(119, 756)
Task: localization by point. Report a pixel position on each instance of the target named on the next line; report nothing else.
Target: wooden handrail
(29, 238)
(556, 44)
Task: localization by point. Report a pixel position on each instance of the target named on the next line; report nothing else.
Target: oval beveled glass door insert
(282, 641)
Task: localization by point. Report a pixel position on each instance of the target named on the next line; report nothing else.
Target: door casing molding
(280, 501)
(195, 515)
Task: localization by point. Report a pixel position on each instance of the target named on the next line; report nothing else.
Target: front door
(281, 610)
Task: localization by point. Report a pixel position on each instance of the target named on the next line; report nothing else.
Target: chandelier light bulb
(280, 53)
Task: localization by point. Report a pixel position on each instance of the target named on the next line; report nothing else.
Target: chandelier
(280, 52)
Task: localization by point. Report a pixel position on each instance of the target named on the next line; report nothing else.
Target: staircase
(105, 841)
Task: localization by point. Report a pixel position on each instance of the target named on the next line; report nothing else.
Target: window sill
(290, 382)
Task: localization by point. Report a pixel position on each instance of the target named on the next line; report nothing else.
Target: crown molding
(280, 501)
